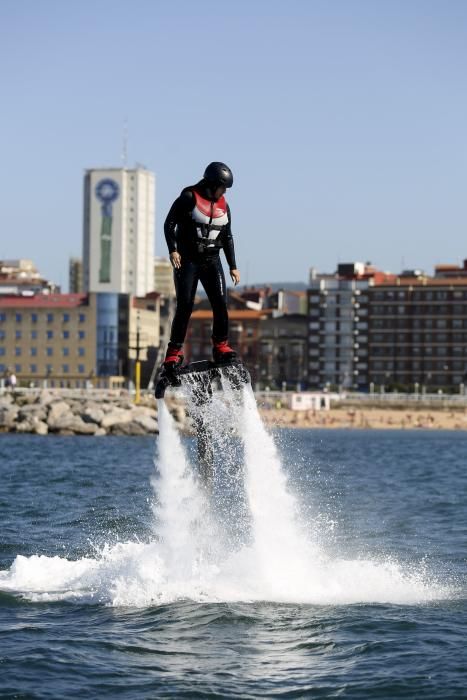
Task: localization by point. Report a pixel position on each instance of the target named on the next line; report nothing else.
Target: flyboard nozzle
(200, 377)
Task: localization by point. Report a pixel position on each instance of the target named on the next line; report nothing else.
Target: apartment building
(48, 336)
(283, 351)
(22, 277)
(418, 333)
(338, 326)
(72, 339)
(244, 334)
(164, 277)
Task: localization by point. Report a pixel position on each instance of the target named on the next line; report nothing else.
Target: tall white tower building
(119, 230)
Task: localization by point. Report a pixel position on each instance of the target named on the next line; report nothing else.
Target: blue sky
(344, 122)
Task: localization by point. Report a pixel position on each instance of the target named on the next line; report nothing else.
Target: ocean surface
(322, 564)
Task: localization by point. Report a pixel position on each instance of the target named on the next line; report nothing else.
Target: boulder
(8, 415)
(41, 428)
(32, 411)
(60, 416)
(100, 431)
(79, 427)
(116, 417)
(147, 423)
(92, 415)
(45, 398)
(60, 422)
(144, 411)
(127, 428)
(25, 426)
(58, 410)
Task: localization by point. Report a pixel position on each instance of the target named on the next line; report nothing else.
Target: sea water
(312, 563)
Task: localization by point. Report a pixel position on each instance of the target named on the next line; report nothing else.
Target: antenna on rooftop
(125, 143)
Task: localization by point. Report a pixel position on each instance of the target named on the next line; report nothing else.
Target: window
(2, 318)
(50, 318)
(81, 369)
(33, 369)
(33, 352)
(82, 318)
(17, 369)
(50, 335)
(49, 369)
(66, 352)
(49, 352)
(65, 369)
(66, 334)
(66, 318)
(33, 318)
(81, 335)
(81, 352)
(17, 352)
(18, 335)
(2, 350)
(33, 335)
(18, 318)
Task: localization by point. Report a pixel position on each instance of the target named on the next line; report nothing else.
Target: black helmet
(219, 174)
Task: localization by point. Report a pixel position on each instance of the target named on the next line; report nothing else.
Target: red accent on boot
(173, 356)
(222, 347)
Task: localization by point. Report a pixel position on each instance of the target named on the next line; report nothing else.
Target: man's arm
(228, 243)
(179, 209)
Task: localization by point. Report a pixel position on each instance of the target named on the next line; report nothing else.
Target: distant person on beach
(12, 381)
(196, 229)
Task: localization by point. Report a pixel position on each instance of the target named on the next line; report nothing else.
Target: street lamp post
(138, 363)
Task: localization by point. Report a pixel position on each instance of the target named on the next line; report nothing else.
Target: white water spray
(193, 553)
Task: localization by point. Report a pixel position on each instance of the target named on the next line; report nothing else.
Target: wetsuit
(198, 227)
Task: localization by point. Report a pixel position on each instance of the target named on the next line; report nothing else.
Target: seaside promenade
(102, 412)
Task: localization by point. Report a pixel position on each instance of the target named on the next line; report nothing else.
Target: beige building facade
(48, 338)
(76, 340)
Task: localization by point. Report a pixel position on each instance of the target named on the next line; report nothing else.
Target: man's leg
(213, 280)
(186, 281)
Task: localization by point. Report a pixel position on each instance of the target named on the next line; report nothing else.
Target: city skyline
(343, 124)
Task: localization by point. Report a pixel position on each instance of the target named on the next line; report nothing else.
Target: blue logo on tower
(107, 191)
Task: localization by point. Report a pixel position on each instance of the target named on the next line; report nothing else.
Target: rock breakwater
(46, 412)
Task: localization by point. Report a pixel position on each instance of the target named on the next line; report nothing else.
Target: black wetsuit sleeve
(228, 243)
(178, 211)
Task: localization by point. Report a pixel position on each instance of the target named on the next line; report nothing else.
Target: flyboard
(204, 377)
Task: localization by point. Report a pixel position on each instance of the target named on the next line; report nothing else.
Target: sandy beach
(387, 418)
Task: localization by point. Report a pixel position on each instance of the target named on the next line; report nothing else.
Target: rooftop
(44, 301)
